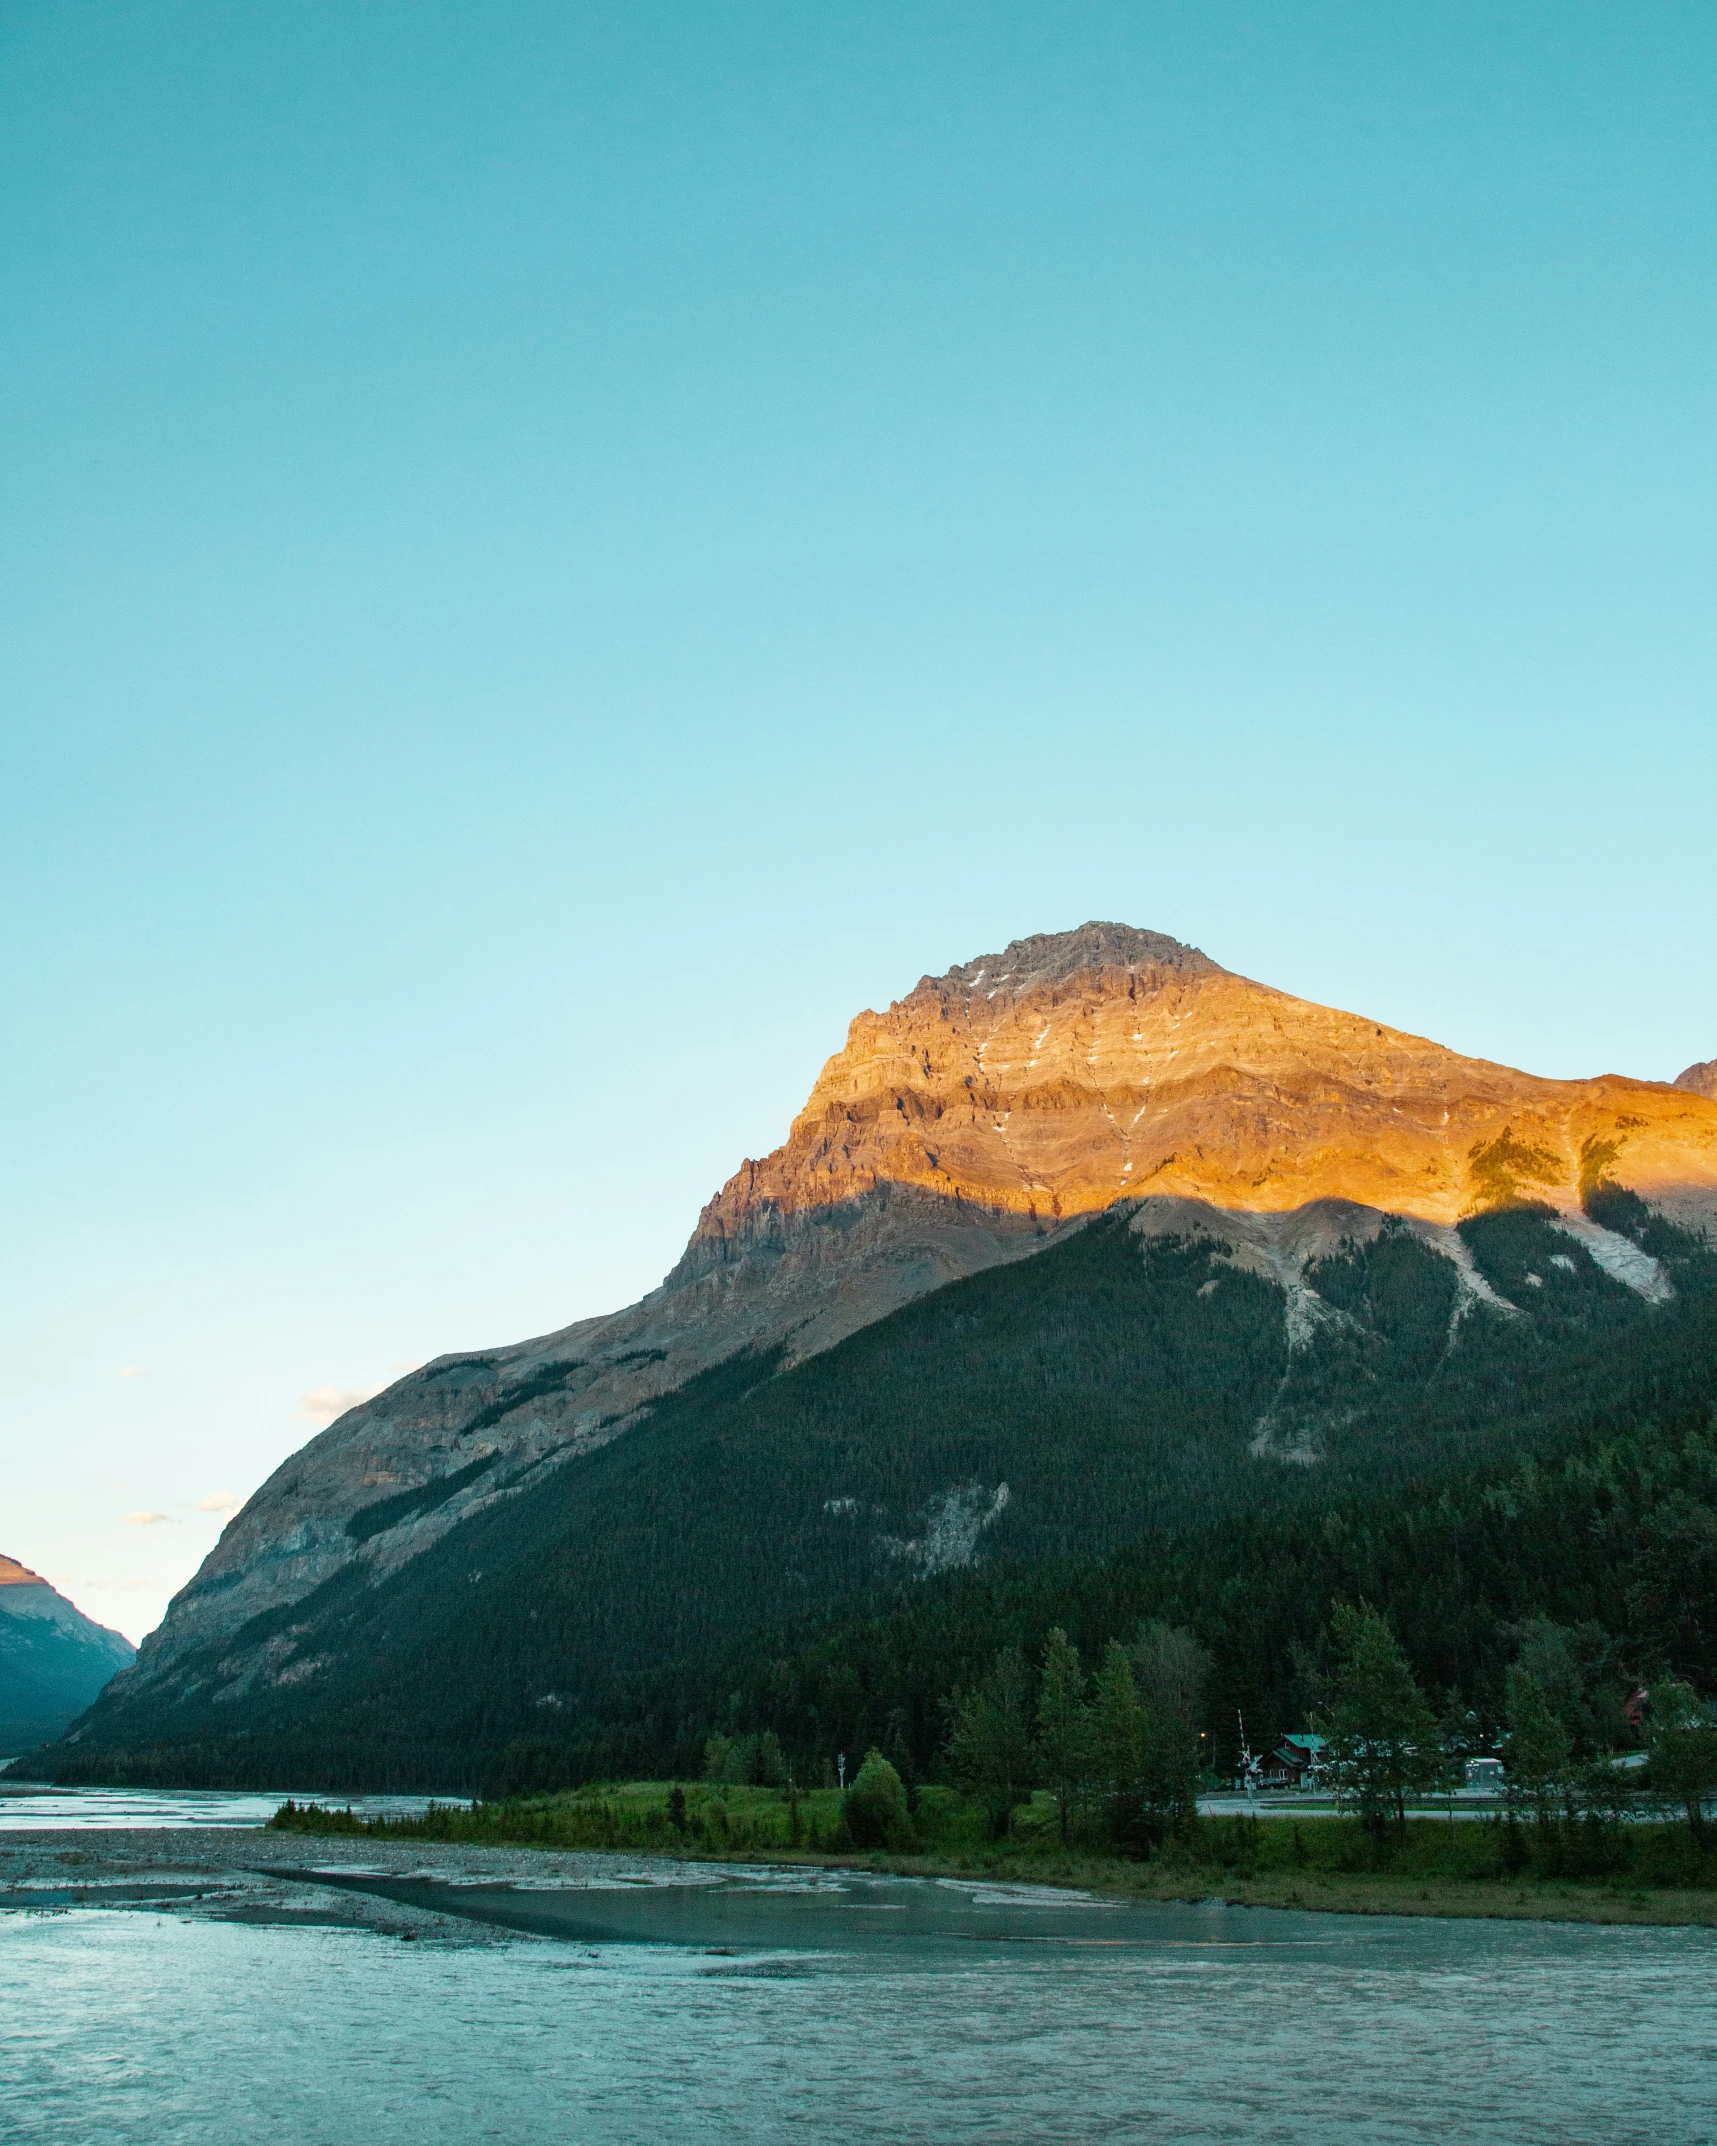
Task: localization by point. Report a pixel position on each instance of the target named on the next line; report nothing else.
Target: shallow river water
(676, 2004)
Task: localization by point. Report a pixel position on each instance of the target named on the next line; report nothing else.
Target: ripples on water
(887, 2010)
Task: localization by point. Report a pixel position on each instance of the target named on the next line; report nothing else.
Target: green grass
(631, 1814)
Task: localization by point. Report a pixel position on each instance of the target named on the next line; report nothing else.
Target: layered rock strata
(1103, 1064)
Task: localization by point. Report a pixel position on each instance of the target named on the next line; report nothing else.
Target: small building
(1296, 1761)
(1484, 1773)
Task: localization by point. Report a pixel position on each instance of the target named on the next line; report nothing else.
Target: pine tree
(1120, 1746)
(1381, 1732)
(1540, 1748)
(1063, 1728)
(989, 1750)
(1171, 1669)
(768, 1762)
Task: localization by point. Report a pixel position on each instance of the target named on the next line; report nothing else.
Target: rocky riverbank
(252, 1874)
(248, 1874)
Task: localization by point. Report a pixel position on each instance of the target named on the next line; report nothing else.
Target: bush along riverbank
(1586, 1869)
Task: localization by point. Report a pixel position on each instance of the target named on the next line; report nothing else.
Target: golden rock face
(1105, 1064)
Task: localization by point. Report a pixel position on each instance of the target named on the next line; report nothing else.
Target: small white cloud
(323, 1403)
(129, 1371)
(145, 1520)
(219, 1501)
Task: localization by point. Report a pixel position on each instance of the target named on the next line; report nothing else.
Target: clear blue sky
(552, 553)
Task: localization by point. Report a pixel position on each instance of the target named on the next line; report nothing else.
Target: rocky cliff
(1082, 1068)
(977, 1120)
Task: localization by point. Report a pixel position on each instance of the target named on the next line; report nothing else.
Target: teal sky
(549, 554)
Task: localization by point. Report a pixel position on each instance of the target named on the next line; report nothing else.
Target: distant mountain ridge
(981, 1120)
(53, 1659)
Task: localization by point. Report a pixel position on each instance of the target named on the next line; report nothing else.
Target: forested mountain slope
(53, 1659)
(1601, 1539)
(1104, 1401)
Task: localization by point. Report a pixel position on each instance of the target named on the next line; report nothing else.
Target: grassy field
(1484, 1867)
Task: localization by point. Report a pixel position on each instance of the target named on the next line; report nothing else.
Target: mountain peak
(12, 1574)
(1700, 1079)
(1051, 957)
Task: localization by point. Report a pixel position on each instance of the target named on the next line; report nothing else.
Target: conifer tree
(1171, 1668)
(1381, 1733)
(768, 1762)
(989, 1750)
(1063, 1728)
(1120, 1746)
(1540, 1748)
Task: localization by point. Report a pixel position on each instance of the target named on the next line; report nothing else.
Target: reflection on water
(30, 1808)
(758, 2006)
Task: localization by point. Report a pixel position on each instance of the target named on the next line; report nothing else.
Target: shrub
(875, 1808)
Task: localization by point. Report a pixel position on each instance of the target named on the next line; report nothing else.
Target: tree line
(1120, 1750)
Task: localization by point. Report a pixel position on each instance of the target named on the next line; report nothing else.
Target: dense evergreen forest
(1106, 1433)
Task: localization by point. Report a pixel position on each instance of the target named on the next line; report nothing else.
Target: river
(628, 2001)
